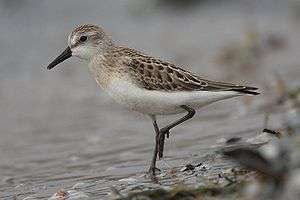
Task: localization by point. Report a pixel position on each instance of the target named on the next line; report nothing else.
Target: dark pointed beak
(63, 56)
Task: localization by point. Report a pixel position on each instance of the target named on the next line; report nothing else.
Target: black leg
(153, 162)
(166, 130)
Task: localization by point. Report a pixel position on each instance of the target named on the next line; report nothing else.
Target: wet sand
(59, 129)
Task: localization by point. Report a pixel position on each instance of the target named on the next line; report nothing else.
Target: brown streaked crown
(88, 28)
(95, 33)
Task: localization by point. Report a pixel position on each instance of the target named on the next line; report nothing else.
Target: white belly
(161, 102)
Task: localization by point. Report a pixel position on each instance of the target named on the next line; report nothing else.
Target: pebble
(69, 195)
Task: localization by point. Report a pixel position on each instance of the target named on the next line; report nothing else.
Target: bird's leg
(166, 130)
(153, 163)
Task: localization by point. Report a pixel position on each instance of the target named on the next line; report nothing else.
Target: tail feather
(247, 90)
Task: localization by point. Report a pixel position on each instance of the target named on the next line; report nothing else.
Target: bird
(145, 84)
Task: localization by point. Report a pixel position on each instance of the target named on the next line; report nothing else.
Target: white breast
(161, 102)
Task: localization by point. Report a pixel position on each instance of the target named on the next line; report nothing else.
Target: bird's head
(84, 42)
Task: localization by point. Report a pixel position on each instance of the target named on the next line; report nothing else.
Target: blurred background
(57, 127)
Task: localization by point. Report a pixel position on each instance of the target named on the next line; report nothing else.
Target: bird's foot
(152, 173)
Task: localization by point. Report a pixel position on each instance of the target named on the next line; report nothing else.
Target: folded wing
(155, 74)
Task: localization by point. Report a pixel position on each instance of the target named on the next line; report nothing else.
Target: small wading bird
(143, 83)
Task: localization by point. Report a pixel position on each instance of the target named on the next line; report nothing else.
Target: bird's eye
(83, 38)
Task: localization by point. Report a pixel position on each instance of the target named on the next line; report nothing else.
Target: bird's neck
(104, 67)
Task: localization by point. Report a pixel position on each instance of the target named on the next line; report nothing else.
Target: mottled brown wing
(155, 74)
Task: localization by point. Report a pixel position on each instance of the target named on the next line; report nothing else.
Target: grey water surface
(58, 128)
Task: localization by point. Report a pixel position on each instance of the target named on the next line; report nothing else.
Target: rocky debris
(69, 195)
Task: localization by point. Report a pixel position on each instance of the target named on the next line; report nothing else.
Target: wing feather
(154, 74)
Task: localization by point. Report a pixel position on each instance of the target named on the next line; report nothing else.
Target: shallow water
(59, 129)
